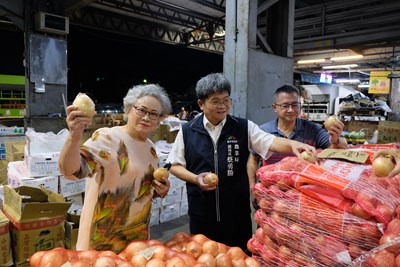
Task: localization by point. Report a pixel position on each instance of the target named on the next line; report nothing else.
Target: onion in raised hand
(382, 166)
(160, 173)
(330, 121)
(84, 103)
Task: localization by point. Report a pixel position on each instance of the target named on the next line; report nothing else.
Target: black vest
(228, 159)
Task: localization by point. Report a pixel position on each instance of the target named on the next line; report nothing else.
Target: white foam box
(42, 164)
(174, 196)
(184, 207)
(170, 212)
(17, 175)
(76, 203)
(70, 187)
(154, 216)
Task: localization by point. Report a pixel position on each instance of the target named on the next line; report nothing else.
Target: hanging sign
(379, 83)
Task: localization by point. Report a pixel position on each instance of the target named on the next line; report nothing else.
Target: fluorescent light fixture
(307, 61)
(340, 66)
(347, 80)
(363, 86)
(346, 57)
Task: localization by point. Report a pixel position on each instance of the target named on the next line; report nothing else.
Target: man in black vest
(220, 143)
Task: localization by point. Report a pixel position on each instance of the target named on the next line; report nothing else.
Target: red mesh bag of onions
(377, 197)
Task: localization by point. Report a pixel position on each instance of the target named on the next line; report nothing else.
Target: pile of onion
(84, 103)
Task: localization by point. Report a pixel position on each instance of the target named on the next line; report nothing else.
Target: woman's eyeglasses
(142, 112)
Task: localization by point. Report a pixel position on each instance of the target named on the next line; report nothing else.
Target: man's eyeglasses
(216, 103)
(296, 105)
(142, 112)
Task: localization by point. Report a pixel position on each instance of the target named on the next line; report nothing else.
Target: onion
(88, 256)
(194, 249)
(176, 261)
(210, 246)
(105, 261)
(80, 264)
(84, 103)
(307, 157)
(138, 260)
(252, 262)
(382, 166)
(160, 174)
(223, 260)
(208, 259)
(155, 263)
(159, 252)
(211, 179)
(236, 253)
(134, 247)
(330, 121)
(53, 258)
(200, 238)
(34, 260)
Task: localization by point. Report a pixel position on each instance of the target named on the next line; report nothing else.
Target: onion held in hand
(382, 166)
(308, 157)
(84, 103)
(330, 121)
(160, 173)
(211, 179)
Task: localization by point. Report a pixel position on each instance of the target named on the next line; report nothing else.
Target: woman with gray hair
(118, 163)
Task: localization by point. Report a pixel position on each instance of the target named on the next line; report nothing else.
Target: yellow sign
(379, 83)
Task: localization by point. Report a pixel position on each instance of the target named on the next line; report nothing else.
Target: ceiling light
(347, 80)
(340, 66)
(363, 86)
(346, 57)
(307, 61)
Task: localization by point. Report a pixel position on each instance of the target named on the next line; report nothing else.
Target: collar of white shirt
(209, 126)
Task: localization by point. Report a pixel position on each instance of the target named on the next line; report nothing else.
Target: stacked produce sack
(324, 215)
(183, 250)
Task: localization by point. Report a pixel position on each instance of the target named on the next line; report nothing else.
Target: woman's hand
(77, 122)
(335, 132)
(162, 187)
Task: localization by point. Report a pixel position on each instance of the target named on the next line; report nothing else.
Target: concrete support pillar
(256, 64)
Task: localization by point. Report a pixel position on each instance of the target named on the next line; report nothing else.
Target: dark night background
(106, 65)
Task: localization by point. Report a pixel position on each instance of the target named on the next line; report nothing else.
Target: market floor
(165, 231)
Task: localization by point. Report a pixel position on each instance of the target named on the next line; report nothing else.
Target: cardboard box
(37, 219)
(3, 172)
(43, 164)
(17, 175)
(6, 258)
(15, 150)
(71, 230)
(70, 187)
(163, 133)
(388, 132)
(4, 139)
